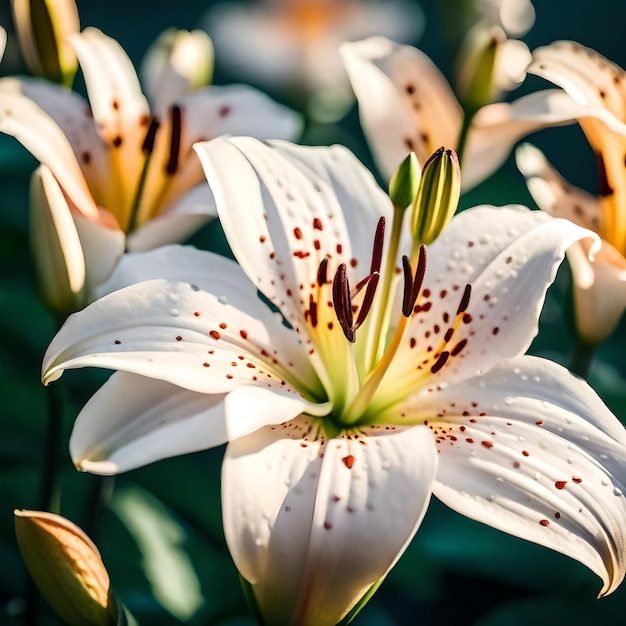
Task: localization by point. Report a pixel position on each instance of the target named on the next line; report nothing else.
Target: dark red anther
(465, 300)
(322, 272)
(377, 253)
(407, 300)
(148, 142)
(176, 119)
(440, 362)
(343, 303)
(313, 310)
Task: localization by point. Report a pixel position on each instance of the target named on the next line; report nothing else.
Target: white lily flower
(346, 410)
(416, 110)
(590, 80)
(293, 44)
(131, 175)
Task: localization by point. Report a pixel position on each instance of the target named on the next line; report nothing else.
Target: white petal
(599, 291)
(183, 218)
(530, 449)
(553, 194)
(414, 108)
(585, 75)
(510, 256)
(290, 200)
(37, 130)
(3, 41)
(132, 421)
(175, 332)
(497, 127)
(206, 114)
(313, 534)
(57, 250)
(112, 84)
(102, 246)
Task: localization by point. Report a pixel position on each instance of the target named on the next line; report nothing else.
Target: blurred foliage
(161, 535)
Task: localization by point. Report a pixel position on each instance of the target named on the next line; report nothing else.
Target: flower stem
(50, 492)
(383, 309)
(99, 496)
(582, 358)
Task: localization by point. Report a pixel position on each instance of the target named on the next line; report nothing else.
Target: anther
(322, 272)
(313, 311)
(148, 142)
(342, 302)
(464, 300)
(379, 240)
(176, 119)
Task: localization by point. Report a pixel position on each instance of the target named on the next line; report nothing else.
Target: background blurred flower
(591, 81)
(128, 177)
(342, 423)
(416, 110)
(293, 44)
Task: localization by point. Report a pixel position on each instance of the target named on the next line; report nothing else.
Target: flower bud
(405, 182)
(42, 27)
(437, 197)
(177, 63)
(57, 250)
(67, 569)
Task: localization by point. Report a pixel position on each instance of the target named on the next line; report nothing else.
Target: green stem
(134, 211)
(582, 358)
(100, 495)
(50, 492)
(382, 311)
(460, 148)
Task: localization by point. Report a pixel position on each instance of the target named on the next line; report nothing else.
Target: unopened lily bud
(405, 182)
(57, 250)
(476, 66)
(177, 63)
(42, 27)
(67, 569)
(437, 197)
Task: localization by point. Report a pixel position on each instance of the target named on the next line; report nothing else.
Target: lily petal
(509, 269)
(531, 450)
(206, 114)
(555, 195)
(174, 331)
(599, 291)
(321, 531)
(294, 219)
(184, 217)
(497, 127)
(414, 109)
(112, 84)
(133, 420)
(39, 133)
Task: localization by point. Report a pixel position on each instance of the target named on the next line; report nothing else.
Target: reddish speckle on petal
(525, 453)
(214, 334)
(223, 325)
(577, 480)
(348, 461)
(224, 110)
(206, 365)
(557, 515)
(544, 522)
(117, 342)
(327, 525)
(179, 338)
(243, 334)
(297, 233)
(317, 223)
(539, 423)
(487, 444)
(560, 484)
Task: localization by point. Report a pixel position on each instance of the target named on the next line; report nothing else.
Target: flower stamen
(176, 119)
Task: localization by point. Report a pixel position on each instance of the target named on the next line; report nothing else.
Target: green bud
(405, 182)
(42, 27)
(437, 197)
(67, 569)
(177, 63)
(57, 250)
(476, 83)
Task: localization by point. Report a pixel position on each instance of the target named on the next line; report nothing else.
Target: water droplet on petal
(617, 492)
(508, 401)
(536, 475)
(174, 312)
(172, 297)
(222, 299)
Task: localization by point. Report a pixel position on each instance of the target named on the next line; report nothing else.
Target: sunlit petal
(132, 421)
(39, 133)
(414, 108)
(312, 535)
(497, 127)
(532, 450)
(509, 269)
